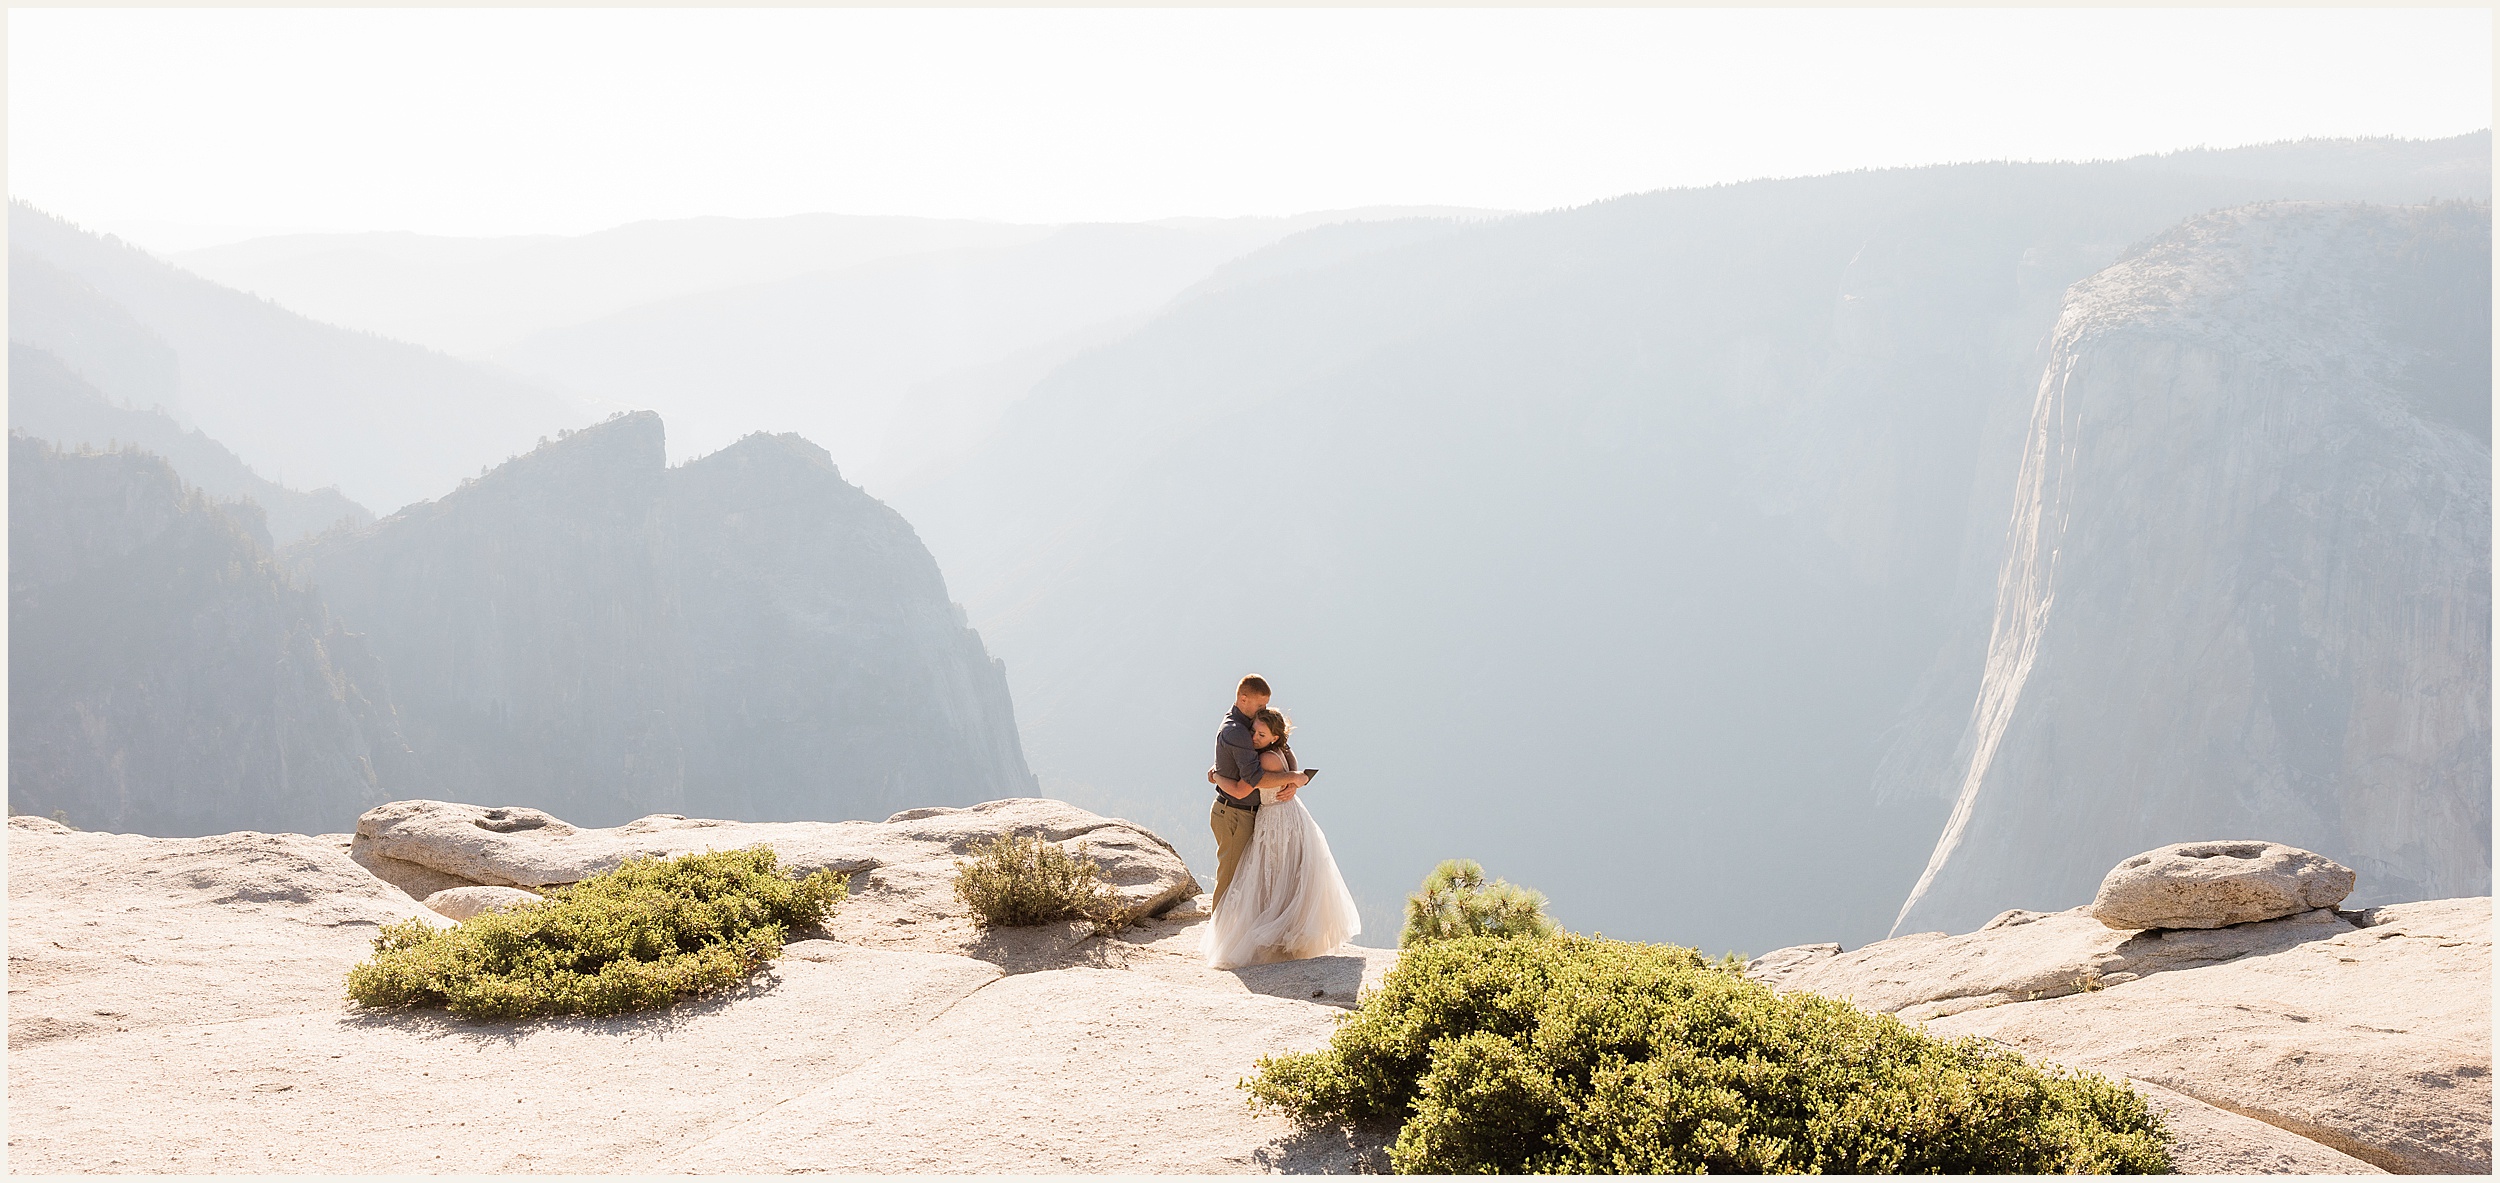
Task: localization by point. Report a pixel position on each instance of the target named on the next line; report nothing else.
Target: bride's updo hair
(1280, 727)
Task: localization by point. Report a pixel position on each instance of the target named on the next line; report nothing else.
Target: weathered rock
(2020, 957)
(416, 879)
(1151, 1056)
(2366, 1032)
(176, 1007)
(483, 845)
(2375, 1041)
(2215, 884)
(2376, 1044)
(1778, 965)
(461, 903)
(117, 932)
(902, 868)
(2209, 1141)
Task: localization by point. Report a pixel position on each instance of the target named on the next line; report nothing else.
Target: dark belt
(1247, 804)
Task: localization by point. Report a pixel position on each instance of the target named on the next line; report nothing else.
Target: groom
(1236, 776)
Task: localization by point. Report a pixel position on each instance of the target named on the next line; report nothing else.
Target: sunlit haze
(183, 128)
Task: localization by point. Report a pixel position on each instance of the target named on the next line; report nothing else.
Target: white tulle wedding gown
(1286, 900)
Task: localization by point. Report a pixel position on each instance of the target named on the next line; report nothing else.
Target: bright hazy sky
(183, 127)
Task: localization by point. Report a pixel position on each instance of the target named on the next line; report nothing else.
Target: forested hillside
(166, 675)
(589, 631)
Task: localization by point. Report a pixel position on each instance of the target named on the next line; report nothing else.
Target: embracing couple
(1278, 896)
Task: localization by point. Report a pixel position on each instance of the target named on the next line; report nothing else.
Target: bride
(1286, 900)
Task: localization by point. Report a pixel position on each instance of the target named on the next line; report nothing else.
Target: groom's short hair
(1254, 684)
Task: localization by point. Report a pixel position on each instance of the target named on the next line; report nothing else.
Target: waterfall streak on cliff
(2026, 588)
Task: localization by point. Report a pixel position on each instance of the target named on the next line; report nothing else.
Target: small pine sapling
(1456, 901)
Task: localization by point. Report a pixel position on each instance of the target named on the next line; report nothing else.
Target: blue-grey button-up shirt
(1237, 758)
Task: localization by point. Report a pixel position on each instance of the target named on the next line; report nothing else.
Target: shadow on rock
(1068, 944)
(1330, 1150)
(1334, 979)
(433, 1023)
(2157, 950)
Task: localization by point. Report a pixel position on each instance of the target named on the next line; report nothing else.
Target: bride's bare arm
(1273, 762)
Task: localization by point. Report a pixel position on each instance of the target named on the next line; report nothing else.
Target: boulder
(902, 869)
(2217, 884)
(461, 903)
(508, 847)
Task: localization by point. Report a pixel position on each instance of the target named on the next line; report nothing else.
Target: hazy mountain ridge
(471, 296)
(2376, 168)
(840, 355)
(93, 337)
(1662, 507)
(474, 296)
(1613, 508)
(588, 630)
(302, 402)
(49, 402)
(166, 675)
(2249, 583)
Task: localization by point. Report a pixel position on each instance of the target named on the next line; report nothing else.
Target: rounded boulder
(2216, 884)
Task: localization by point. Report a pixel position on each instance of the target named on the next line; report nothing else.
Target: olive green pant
(1232, 836)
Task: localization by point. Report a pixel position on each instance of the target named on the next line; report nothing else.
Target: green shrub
(1023, 880)
(1580, 1055)
(643, 935)
(1457, 902)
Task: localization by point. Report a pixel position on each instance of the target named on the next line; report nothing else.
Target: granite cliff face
(589, 631)
(165, 674)
(2247, 586)
(1660, 509)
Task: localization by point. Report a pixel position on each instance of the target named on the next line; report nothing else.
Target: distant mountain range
(477, 296)
(51, 402)
(303, 403)
(893, 340)
(583, 628)
(1647, 551)
(1680, 554)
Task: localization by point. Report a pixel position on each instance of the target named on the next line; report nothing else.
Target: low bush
(1024, 880)
(643, 935)
(1457, 902)
(1574, 1054)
